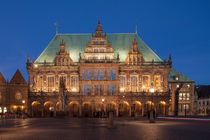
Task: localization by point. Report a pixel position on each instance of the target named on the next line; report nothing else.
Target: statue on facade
(62, 96)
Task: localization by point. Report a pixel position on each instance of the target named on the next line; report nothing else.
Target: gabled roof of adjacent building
(76, 43)
(2, 79)
(203, 91)
(17, 78)
(181, 77)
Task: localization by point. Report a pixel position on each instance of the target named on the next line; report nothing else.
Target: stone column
(117, 111)
(142, 109)
(80, 110)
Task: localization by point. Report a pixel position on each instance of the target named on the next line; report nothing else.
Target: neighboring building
(202, 100)
(13, 94)
(106, 72)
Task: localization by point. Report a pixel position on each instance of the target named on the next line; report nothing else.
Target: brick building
(100, 73)
(13, 94)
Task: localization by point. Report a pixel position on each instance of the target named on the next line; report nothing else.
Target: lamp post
(23, 103)
(152, 114)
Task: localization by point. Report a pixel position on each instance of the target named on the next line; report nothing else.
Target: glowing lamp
(152, 90)
(74, 89)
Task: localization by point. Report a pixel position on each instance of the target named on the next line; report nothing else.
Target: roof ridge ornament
(56, 25)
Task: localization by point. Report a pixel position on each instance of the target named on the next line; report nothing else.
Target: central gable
(76, 43)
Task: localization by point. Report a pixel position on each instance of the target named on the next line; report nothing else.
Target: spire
(169, 60)
(136, 28)
(62, 46)
(99, 31)
(134, 46)
(56, 25)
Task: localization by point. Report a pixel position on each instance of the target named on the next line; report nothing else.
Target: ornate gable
(63, 57)
(17, 78)
(99, 49)
(134, 55)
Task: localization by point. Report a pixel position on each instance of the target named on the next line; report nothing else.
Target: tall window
(146, 81)
(86, 90)
(83, 74)
(51, 81)
(108, 74)
(113, 74)
(157, 81)
(89, 75)
(111, 90)
(40, 82)
(74, 81)
(133, 83)
(99, 90)
(96, 73)
(101, 74)
(122, 81)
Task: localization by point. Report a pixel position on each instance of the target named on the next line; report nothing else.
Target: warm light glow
(74, 89)
(0, 110)
(143, 87)
(5, 109)
(36, 65)
(122, 89)
(152, 90)
(23, 101)
(14, 106)
(102, 100)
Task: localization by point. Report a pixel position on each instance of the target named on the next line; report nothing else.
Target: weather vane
(56, 25)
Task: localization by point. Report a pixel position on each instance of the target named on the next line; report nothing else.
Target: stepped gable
(2, 80)
(17, 78)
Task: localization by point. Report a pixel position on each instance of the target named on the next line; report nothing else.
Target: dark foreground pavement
(96, 129)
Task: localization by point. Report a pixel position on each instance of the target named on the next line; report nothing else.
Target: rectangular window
(96, 90)
(89, 75)
(122, 81)
(101, 90)
(114, 90)
(108, 90)
(83, 74)
(101, 74)
(51, 81)
(146, 81)
(86, 90)
(113, 74)
(108, 75)
(96, 73)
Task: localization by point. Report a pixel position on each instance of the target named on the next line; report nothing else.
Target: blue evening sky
(179, 27)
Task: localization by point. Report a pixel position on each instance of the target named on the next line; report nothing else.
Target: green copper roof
(182, 77)
(76, 43)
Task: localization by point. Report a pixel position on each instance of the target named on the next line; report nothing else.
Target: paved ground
(96, 129)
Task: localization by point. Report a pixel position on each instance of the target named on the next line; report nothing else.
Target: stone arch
(161, 108)
(36, 109)
(136, 108)
(149, 105)
(99, 108)
(49, 109)
(111, 107)
(124, 109)
(73, 109)
(86, 109)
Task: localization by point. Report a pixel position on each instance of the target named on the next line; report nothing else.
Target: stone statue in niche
(62, 95)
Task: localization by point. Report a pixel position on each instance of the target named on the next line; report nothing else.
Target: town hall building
(92, 74)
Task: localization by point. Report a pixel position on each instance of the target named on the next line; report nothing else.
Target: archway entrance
(73, 109)
(98, 109)
(124, 109)
(48, 109)
(136, 108)
(161, 108)
(149, 105)
(86, 109)
(36, 109)
(111, 107)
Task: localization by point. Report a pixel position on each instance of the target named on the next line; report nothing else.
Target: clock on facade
(18, 96)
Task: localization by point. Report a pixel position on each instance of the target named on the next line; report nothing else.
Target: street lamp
(23, 102)
(152, 114)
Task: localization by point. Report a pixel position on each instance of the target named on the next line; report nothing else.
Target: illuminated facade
(13, 94)
(105, 72)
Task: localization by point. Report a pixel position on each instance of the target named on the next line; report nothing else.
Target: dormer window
(177, 78)
(63, 60)
(138, 59)
(59, 60)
